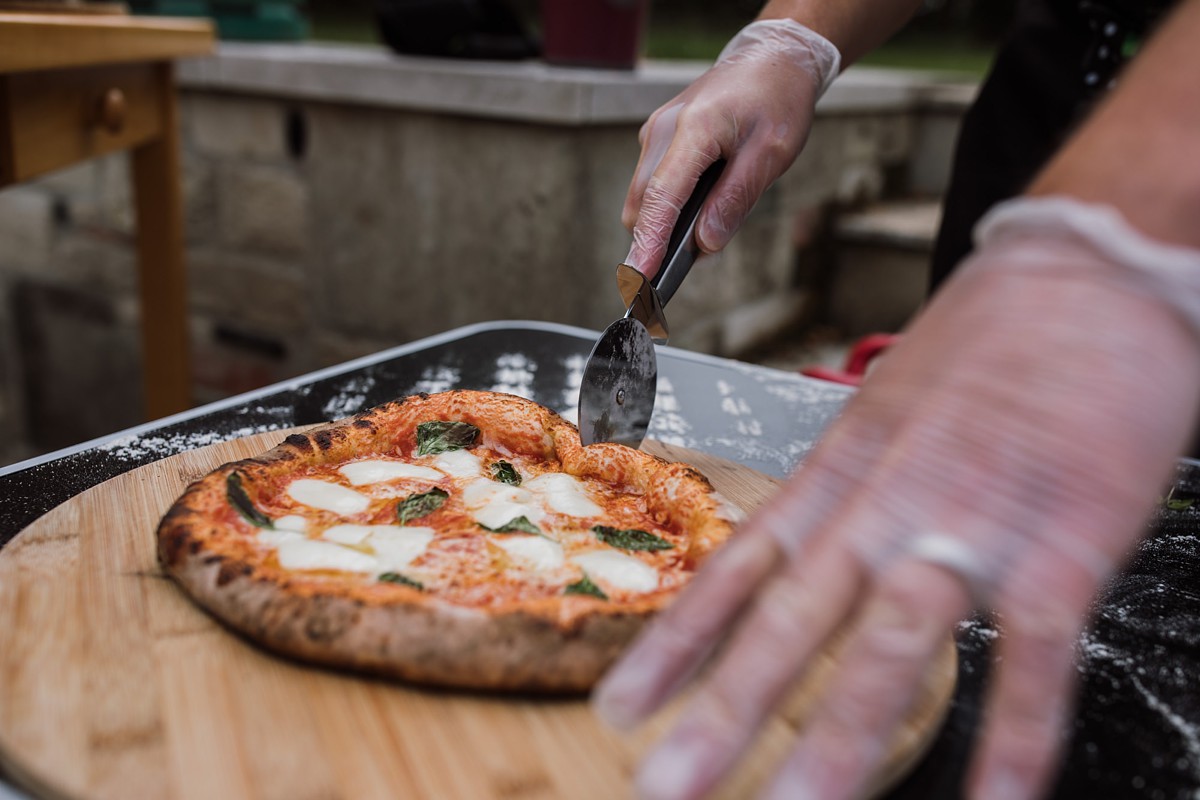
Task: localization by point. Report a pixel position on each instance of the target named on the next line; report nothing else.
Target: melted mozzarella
(495, 504)
(479, 493)
(608, 567)
(501, 511)
(565, 494)
(292, 522)
(277, 537)
(397, 546)
(459, 463)
(327, 496)
(535, 552)
(360, 473)
(727, 510)
(353, 534)
(314, 554)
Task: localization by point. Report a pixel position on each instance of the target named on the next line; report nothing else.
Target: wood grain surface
(113, 685)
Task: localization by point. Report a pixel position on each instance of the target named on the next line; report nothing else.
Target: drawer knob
(112, 111)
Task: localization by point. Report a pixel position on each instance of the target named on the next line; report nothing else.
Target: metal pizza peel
(620, 379)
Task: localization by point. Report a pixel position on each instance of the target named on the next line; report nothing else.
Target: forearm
(1140, 150)
(854, 26)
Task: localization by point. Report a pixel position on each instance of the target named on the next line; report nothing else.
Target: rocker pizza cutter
(620, 378)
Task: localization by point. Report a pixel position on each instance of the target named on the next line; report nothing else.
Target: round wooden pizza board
(113, 685)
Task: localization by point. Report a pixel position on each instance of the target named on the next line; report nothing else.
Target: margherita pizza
(458, 539)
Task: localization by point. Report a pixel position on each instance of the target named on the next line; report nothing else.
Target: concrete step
(881, 270)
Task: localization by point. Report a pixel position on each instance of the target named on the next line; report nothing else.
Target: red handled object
(861, 355)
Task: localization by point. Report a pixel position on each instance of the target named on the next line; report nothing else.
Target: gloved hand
(1005, 454)
(754, 107)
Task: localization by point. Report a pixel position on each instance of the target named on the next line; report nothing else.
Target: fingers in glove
(655, 138)
(669, 652)
(760, 158)
(665, 193)
(1031, 693)
(881, 672)
(790, 620)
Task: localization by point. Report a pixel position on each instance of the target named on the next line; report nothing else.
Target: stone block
(441, 222)
(755, 323)
(813, 179)
(876, 289)
(906, 225)
(14, 442)
(114, 194)
(70, 183)
(233, 127)
(270, 296)
(701, 335)
(199, 187)
(229, 359)
(327, 349)
(81, 363)
(103, 261)
(933, 153)
(262, 209)
(94, 194)
(26, 228)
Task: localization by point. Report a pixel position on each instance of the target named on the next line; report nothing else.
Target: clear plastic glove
(1006, 454)
(753, 107)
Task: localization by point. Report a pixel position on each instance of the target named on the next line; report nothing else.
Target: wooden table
(74, 87)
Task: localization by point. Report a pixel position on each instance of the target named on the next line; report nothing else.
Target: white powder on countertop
(514, 374)
(135, 448)
(350, 399)
(574, 379)
(1105, 661)
(437, 379)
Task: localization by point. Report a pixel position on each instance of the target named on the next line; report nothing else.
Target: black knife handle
(682, 249)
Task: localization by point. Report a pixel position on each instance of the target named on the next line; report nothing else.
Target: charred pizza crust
(512, 638)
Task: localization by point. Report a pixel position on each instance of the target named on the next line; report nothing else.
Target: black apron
(1058, 60)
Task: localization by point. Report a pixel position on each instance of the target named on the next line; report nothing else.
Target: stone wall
(340, 201)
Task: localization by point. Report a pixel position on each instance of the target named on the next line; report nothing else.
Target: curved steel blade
(616, 397)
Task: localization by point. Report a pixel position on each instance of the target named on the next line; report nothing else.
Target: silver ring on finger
(953, 555)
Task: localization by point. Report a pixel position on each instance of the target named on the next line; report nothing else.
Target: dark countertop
(1137, 729)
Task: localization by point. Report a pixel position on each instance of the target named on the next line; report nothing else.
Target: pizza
(462, 539)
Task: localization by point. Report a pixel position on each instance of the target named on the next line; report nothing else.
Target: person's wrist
(771, 39)
(1097, 235)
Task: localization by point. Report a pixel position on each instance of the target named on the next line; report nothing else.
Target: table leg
(162, 270)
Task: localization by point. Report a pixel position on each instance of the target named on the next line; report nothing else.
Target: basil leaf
(585, 586)
(506, 473)
(440, 436)
(1178, 499)
(630, 538)
(236, 494)
(403, 580)
(416, 506)
(515, 525)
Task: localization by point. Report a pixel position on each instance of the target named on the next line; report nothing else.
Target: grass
(926, 51)
(697, 38)
(949, 52)
(346, 28)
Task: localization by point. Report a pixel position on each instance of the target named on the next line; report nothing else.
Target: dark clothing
(1059, 58)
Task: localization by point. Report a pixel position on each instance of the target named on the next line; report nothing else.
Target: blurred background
(956, 35)
(358, 175)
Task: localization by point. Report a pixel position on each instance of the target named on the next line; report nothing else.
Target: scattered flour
(667, 424)
(350, 399)
(136, 448)
(1103, 659)
(735, 406)
(514, 374)
(574, 379)
(437, 379)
